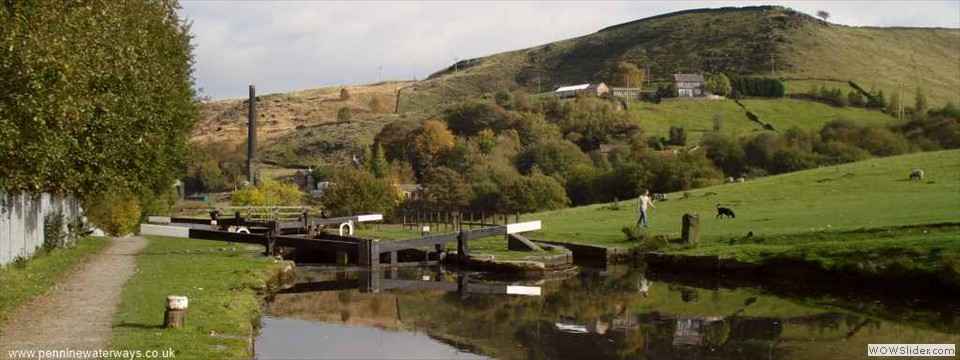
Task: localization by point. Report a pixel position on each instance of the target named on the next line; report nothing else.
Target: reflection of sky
(299, 339)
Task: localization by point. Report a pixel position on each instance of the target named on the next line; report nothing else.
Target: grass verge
(22, 281)
(221, 280)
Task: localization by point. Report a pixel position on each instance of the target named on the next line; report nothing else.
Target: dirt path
(77, 314)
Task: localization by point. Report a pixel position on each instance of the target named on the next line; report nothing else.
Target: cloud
(283, 46)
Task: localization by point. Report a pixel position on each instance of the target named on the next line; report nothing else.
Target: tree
(430, 142)
(344, 114)
(554, 158)
(718, 84)
(534, 193)
(353, 191)
(446, 190)
(116, 212)
(823, 15)
(97, 97)
(470, 117)
(625, 74)
(344, 94)
(377, 162)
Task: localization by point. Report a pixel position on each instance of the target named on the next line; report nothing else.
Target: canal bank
(226, 285)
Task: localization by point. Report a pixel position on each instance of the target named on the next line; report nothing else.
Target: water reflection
(617, 313)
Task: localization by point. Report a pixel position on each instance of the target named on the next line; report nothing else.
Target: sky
(283, 46)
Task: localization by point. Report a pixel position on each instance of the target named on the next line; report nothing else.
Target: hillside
(748, 41)
(300, 128)
(867, 194)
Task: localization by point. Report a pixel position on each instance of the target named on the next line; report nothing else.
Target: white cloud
(282, 46)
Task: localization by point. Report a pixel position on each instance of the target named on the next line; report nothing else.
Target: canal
(594, 313)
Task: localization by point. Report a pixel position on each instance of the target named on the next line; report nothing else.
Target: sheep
(916, 174)
(741, 179)
(730, 179)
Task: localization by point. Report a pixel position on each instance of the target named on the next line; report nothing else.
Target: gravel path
(78, 313)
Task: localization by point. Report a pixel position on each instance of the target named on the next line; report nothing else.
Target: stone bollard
(690, 233)
(176, 314)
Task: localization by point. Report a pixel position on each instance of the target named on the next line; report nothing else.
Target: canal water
(609, 313)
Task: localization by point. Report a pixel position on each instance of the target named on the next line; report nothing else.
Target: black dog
(722, 211)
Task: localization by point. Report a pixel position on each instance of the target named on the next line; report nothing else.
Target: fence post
(690, 232)
(463, 249)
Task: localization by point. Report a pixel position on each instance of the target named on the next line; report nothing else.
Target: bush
(344, 94)
(117, 213)
(344, 114)
(718, 84)
(53, 234)
(758, 86)
(268, 193)
(503, 99)
(354, 192)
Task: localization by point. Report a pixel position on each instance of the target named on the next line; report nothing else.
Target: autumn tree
(353, 191)
(446, 190)
(626, 74)
(430, 141)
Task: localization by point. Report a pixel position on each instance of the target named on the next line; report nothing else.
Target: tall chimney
(252, 135)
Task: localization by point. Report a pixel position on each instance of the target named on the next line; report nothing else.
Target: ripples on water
(613, 313)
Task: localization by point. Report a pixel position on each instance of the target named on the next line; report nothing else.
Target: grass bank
(222, 281)
(863, 195)
(22, 281)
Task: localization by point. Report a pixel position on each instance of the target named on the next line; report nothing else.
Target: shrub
(344, 114)
(854, 98)
(117, 213)
(53, 234)
(718, 84)
(352, 192)
(504, 99)
(726, 152)
(344, 94)
(883, 142)
(758, 86)
(534, 193)
(268, 193)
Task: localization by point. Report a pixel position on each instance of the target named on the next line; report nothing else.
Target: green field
(868, 194)
(220, 279)
(23, 281)
(696, 116)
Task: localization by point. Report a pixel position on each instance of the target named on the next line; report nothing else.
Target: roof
(572, 88)
(688, 77)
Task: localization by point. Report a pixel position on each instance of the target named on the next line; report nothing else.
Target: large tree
(97, 95)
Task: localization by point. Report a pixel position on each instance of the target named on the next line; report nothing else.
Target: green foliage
(344, 114)
(354, 192)
(116, 212)
(595, 121)
(718, 84)
(726, 152)
(535, 192)
(920, 102)
(504, 99)
(268, 193)
(377, 162)
(446, 189)
(469, 118)
(758, 86)
(624, 74)
(54, 234)
(554, 158)
(95, 97)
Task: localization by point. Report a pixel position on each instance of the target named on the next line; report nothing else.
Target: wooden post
(176, 314)
(690, 232)
(306, 223)
(342, 258)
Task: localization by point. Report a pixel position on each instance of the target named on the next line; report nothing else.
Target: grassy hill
(867, 194)
(300, 128)
(760, 40)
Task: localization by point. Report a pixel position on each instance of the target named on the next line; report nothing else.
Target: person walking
(643, 202)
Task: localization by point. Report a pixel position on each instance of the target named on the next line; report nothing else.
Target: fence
(22, 220)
